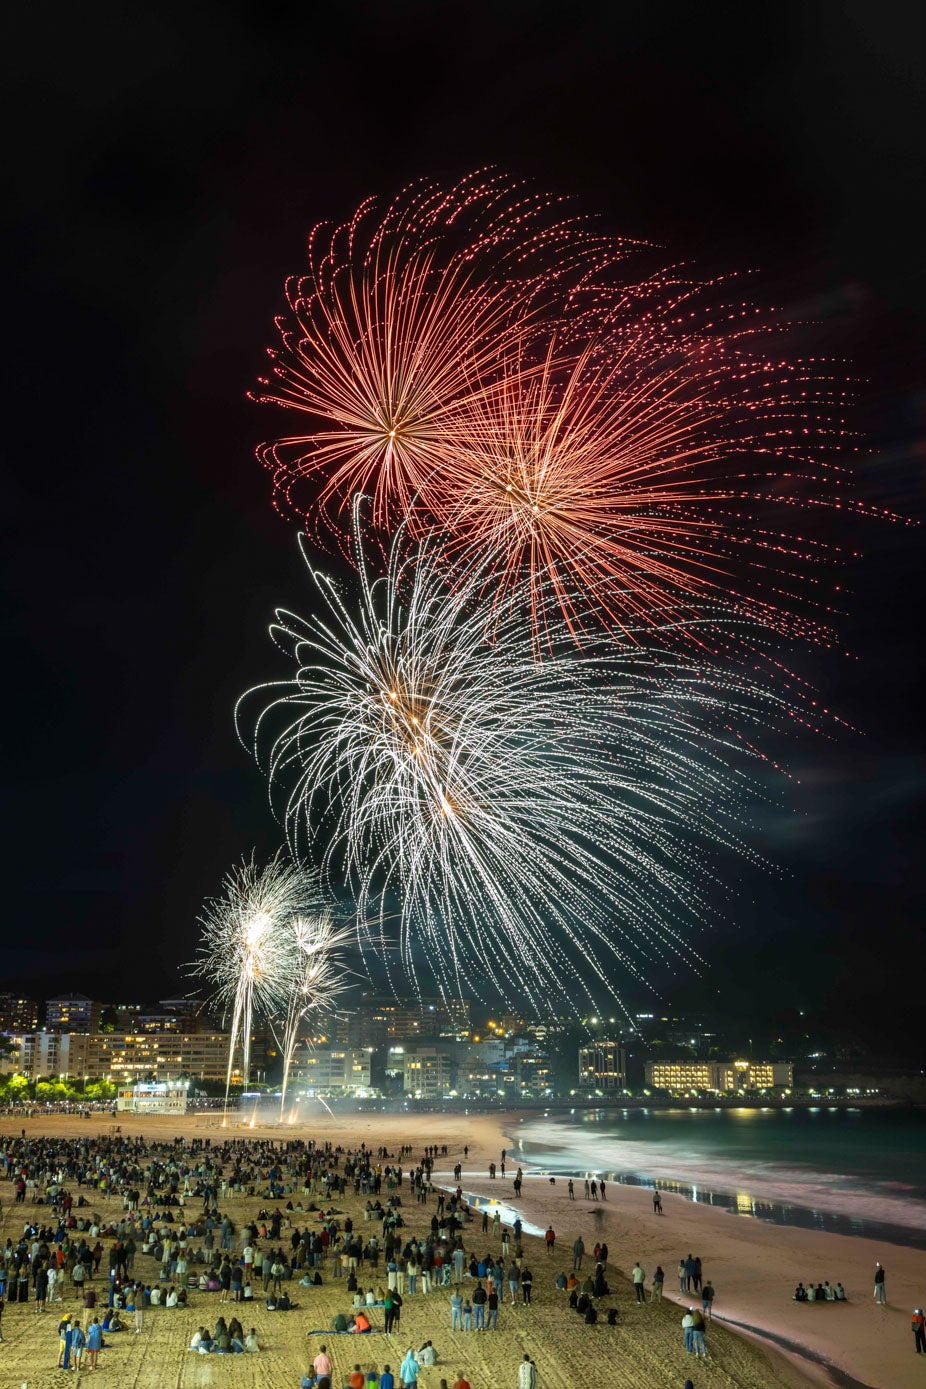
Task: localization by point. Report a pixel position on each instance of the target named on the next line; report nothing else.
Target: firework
(400, 317)
(315, 982)
(533, 821)
(247, 951)
(657, 467)
(630, 447)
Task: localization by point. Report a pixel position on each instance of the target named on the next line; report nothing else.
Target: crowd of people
(169, 1204)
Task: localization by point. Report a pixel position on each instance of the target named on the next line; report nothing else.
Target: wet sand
(753, 1267)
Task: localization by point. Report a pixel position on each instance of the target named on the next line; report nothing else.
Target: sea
(857, 1172)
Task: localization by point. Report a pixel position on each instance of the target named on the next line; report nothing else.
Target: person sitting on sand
(591, 1316)
(811, 1294)
(360, 1325)
(251, 1345)
(197, 1338)
(427, 1355)
(840, 1293)
(821, 1295)
(828, 1292)
(205, 1342)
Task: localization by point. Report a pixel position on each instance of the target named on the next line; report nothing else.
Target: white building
(335, 1070)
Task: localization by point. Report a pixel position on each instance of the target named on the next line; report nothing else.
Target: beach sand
(754, 1268)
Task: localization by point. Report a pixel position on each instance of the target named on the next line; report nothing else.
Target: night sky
(163, 166)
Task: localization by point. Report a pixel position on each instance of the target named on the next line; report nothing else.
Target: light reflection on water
(849, 1172)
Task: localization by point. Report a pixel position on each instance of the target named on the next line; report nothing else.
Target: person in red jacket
(919, 1331)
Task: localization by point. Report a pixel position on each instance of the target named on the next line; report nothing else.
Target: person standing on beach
(707, 1300)
(578, 1249)
(550, 1238)
(880, 1290)
(697, 1334)
(657, 1203)
(658, 1279)
(639, 1278)
(919, 1331)
(918, 1326)
(572, 1189)
(527, 1374)
(681, 1275)
(688, 1328)
(527, 1283)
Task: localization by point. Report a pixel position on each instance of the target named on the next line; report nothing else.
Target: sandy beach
(754, 1268)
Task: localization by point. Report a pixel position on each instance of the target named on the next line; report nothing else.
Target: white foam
(562, 1147)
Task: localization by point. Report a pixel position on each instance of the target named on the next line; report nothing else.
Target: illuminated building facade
(723, 1076)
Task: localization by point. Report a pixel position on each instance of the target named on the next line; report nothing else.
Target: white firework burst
(247, 950)
(532, 822)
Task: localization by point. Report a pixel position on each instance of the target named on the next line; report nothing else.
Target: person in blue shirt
(94, 1341)
(409, 1368)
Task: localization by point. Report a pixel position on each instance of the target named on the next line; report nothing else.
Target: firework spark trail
(632, 446)
(396, 318)
(315, 981)
(246, 952)
(523, 813)
(659, 464)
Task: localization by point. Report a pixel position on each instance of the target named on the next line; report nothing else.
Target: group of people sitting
(821, 1293)
(582, 1295)
(358, 1324)
(225, 1340)
(280, 1302)
(167, 1297)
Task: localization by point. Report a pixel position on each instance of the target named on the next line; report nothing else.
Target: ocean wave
(567, 1148)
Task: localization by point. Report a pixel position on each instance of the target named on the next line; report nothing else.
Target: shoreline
(829, 1213)
(824, 1358)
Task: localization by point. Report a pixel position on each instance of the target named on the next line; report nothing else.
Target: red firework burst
(630, 477)
(636, 451)
(395, 319)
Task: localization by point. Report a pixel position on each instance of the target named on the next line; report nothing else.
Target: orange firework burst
(633, 476)
(632, 449)
(396, 319)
